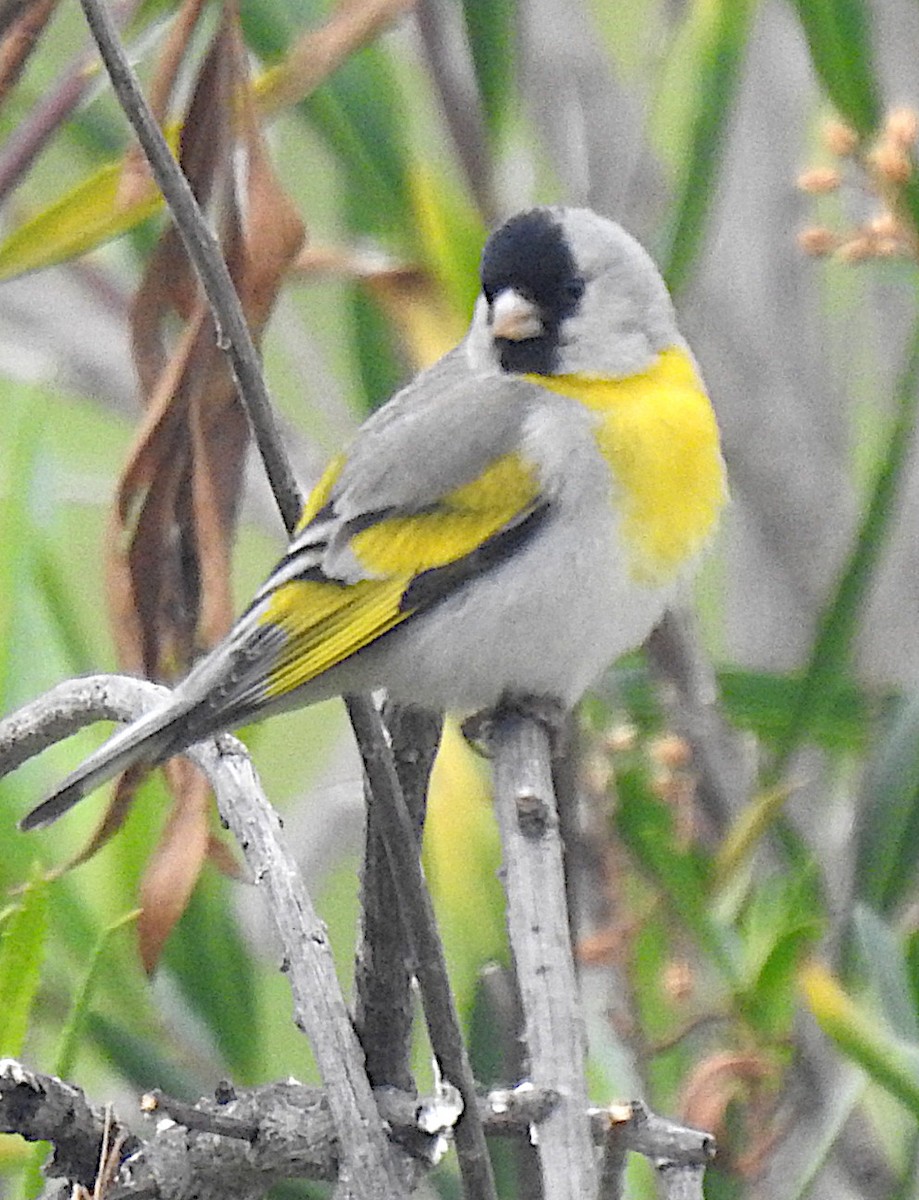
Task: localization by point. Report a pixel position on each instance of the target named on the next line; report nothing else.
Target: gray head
(565, 291)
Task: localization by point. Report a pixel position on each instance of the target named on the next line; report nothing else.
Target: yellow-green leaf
(82, 219)
(863, 1036)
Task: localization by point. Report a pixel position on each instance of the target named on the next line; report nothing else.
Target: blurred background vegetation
(751, 964)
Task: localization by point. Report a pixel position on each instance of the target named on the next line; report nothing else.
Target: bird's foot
(547, 711)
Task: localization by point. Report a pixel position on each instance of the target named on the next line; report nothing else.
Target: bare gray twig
(42, 1108)
(384, 969)
(681, 1182)
(420, 926)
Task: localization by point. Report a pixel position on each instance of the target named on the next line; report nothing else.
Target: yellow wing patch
(658, 432)
(325, 623)
(462, 520)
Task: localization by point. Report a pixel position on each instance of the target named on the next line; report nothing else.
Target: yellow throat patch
(658, 433)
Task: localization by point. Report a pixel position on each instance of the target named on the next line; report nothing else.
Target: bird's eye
(573, 290)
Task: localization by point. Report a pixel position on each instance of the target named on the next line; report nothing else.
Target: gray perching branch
(239, 1143)
(537, 917)
(384, 999)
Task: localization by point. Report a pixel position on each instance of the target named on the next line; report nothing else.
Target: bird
(513, 520)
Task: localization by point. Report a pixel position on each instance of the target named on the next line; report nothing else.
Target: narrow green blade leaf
(762, 702)
(886, 971)
(490, 29)
(888, 829)
(81, 220)
(724, 30)
(20, 453)
(838, 625)
(780, 920)
(77, 1018)
(838, 37)
(22, 948)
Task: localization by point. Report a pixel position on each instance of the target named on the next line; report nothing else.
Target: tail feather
(151, 738)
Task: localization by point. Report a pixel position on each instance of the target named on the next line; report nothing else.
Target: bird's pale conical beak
(514, 318)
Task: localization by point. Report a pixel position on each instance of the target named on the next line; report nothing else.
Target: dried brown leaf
(172, 56)
(173, 869)
(20, 38)
(220, 855)
(164, 514)
(220, 434)
(136, 178)
(170, 286)
(355, 23)
(716, 1082)
(143, 553)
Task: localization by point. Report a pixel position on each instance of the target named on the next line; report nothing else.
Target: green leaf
(651, 952)
(357, 111)
(888, 825)
(51, 582)
(449, 236)
(781, 919)
(763, 702)
(720, 32)
(24, 431)
(22, 949)
(33, 1177)
(838, 37)
(380, 372)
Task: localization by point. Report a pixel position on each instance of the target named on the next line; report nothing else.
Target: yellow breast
(658, 433)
